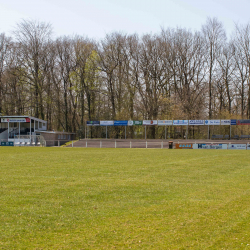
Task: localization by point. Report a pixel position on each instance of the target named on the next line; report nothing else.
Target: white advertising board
(165, 122)
(130, 123)
(15, 119)
(180, 122)
(209, 146)
(212, 122)
(196, 122)
(106, 123)
(149, 122)
(225, 122)
(237, 146)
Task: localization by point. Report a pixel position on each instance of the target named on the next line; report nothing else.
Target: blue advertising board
(93, 123)
(120, 123)
(233, 122)
(243, 122)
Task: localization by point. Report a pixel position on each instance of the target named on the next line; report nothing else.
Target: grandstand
(21, 129)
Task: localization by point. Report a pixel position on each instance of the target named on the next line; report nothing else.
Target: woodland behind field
(176, 74)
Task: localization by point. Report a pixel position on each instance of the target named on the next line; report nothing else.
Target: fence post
(162, 145)
(86, 143)
(146, 144)
(115, 143)
(44, 143)
(72, 144)
(58, 143)
(130, 144)
(100, 144)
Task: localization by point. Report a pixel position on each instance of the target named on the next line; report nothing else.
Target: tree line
(176, 74)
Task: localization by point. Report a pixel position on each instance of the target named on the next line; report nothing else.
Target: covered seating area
(21, 130)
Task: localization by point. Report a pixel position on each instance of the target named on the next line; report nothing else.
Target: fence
(29, 140)
(120, 144)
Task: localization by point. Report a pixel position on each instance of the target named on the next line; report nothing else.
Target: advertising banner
(7, 143)
(243, 122)
(248, 146)
(184, 146)
(106, 123)
(149, 122)
(137, 122)
(165, 122)
(209, 146)
(180, 122)
(237, 146)
(120, 123)
(15, 119)
(196, 122)
(233, 122)
(212, 122)
(225, 122)
(130, 123)
(93, 123)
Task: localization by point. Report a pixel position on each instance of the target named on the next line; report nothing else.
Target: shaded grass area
(75, 198)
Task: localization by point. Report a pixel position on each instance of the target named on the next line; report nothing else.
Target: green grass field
(76, 198)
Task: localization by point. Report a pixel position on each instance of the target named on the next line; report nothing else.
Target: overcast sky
(95, 18)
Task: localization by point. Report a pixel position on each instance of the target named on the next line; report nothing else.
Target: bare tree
(242, 41)
(5, 44)
(215, 37)
(32, 38)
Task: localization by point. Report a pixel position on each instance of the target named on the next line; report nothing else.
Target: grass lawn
(77, 198)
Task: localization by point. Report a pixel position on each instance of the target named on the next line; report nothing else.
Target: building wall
(57, 138)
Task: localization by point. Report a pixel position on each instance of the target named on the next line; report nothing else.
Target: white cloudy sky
(95, 18)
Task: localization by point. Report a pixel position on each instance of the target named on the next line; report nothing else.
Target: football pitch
(77, 198)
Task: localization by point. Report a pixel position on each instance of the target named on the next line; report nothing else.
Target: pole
(125, 132)
(115, 143)
(30, 130)
(208, 132)
(19, 135)
(72, 144)
(130, 144)
(230, 131)
(145, 132)
(106, 132)
(85, 131)
(8, 130)
(165, 132)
